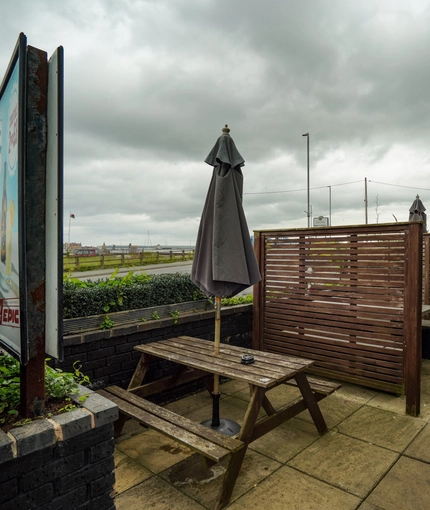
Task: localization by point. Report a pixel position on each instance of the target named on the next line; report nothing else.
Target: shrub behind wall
(129, 293)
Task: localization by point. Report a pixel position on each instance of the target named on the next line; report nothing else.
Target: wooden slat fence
(348, 298)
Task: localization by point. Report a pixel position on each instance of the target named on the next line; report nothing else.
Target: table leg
(311, 403)
(139, 372)
(236, 459)
(267, 406)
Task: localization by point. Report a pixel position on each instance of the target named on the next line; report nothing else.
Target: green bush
(58, 385)
(114, 294)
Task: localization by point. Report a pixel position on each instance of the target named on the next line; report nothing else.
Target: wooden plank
(211, 364)
(258, 295)
(342, 328)
(276, 361)
(412, 319)
(347, 352)
(369, 313)
(361, 380)
(210, 443)
(358, 369)
(318, 385)
(230, 443)
(267, 365)
(196, 443)
(293, 408)
(159, 385)
(139, 372)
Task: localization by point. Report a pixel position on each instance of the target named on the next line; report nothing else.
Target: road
(174, 267)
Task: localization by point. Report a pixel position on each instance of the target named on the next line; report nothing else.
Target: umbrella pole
(217, 337)
(216, 394)
(223, 425)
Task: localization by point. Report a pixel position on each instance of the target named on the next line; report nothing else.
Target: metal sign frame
(54, 206)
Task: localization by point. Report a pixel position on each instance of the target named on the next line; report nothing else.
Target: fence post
(141, 258)
(102, 260)
(412, 311)
(426, 264)
(183, 254)
(258, 294)
(171, 255)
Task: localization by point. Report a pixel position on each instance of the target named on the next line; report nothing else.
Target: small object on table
(247, 359)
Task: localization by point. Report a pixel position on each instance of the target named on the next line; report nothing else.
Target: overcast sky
(149, 84)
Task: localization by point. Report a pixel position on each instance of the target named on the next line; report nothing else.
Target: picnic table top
(268, 369)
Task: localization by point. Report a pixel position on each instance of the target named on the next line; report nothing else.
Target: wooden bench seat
(318, 386)
(209, 443)
(425, 323)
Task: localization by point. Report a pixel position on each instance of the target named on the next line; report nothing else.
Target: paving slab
(425, 366)
(406, 486)
(292, 490)
(231, 408)
(383, 428)
(367, 506)
(420, 447)
(128, 472)
(345, 462)
(203, 485)
(287, 440)
(131, 428)
(155, 494)
(232, 386)
(188, 404)
(154, 451)
(357, 393)
(335, 408)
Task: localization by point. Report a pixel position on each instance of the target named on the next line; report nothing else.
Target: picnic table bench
(195, 359)
(209, 443)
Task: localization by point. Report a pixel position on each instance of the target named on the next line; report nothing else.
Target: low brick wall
(65, 462)
(108, 357)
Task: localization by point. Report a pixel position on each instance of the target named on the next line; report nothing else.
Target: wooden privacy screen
(348, 298)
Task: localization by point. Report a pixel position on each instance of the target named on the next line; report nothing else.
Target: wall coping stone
(94, 412)
(137, 327)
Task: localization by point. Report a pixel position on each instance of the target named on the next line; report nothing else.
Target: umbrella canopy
(416, 212)
(224, 260)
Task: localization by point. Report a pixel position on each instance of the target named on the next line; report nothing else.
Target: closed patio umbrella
(224, 261)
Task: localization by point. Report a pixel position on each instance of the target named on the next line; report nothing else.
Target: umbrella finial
(418, 196)
(226, 130)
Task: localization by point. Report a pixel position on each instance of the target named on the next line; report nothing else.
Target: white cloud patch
(149, 85)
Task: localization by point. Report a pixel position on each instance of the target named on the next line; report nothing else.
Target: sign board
(31, 184)
(12, 282)
(321, 221)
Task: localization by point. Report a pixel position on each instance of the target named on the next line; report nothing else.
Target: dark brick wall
(75, 474)
(108, 357)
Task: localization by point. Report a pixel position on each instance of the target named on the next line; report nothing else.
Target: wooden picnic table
(195, 359)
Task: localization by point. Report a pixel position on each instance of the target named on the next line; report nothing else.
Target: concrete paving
(373, 457)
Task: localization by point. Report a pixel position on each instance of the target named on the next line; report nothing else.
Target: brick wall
(63, 463)
(108, 357)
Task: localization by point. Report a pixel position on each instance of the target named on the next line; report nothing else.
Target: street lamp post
(309, 197)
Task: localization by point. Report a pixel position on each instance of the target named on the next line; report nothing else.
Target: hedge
(81, 299)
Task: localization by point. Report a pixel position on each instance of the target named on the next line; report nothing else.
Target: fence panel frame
(409, 293)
